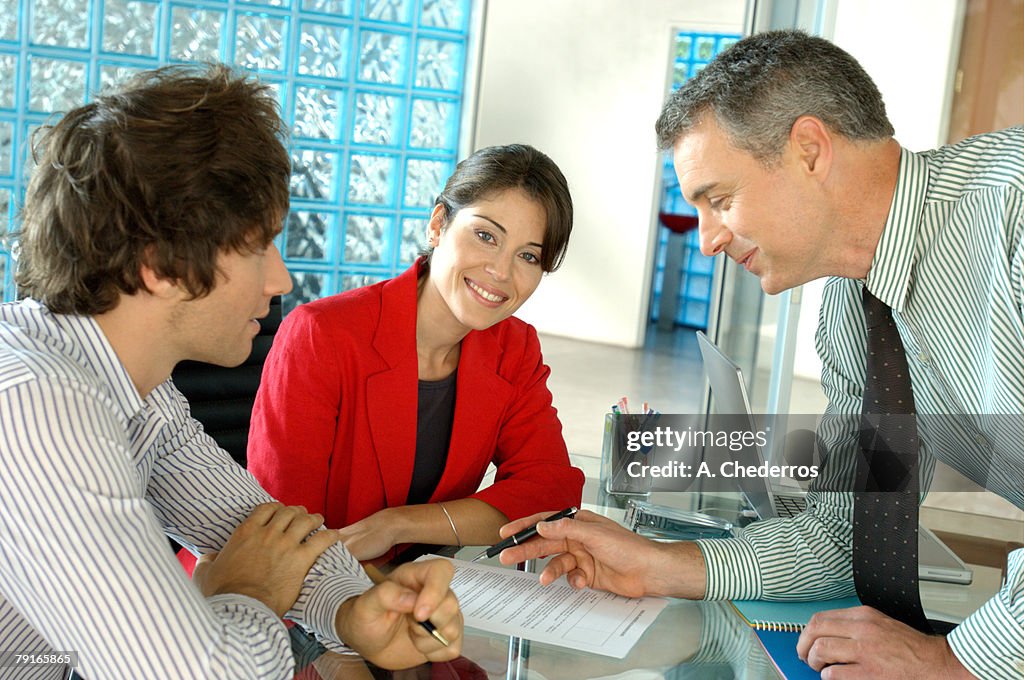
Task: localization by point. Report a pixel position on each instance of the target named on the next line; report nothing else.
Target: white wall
(909, 49)
(584, 81)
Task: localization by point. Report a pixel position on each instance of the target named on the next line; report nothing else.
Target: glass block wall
(371, 89)
(693, 52)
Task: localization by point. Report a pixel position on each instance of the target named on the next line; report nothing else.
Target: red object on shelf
(679, 224)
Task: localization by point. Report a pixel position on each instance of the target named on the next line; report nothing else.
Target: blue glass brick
(434, 124)
(129, 26)
(60, 22)
(306, 286)
(308, 234)
(338, 8)
(383, 57)
(261, 41)
(8, 77)
(424, 180)
(5, 213)
(439, 64)
(391, 11)
(318, 112)
(371, 179)
(114, 75)
(366, 238)
(6, 149)
(268, 3)
(324, 50)
(314, 174)
(55, 84)
(414, 240)
(350, 281)
(9, 20)
(447, 14)
(195, 34)
(377, 119)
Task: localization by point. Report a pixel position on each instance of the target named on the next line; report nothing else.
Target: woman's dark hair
(177, 166)
(495, 169)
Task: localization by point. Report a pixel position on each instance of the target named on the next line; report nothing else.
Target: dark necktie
(886, 491)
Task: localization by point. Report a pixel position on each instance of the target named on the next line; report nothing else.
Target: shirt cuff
(990, 642)
(321, 609)
(733, 572)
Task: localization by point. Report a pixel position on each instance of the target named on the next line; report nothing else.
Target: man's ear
(811, 140)
(156, 284)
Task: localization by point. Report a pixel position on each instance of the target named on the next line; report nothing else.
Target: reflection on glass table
(688, 640)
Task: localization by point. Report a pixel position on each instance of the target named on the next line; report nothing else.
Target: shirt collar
(889, 276)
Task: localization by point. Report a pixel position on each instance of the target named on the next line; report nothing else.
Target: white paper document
(512, 602)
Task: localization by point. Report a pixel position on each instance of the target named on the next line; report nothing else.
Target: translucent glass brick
(438, 64)
(195, 34)
(376, 119)
(60, 22)
(5, 214)
(393, 11)
(704, 48)
(323, 50)
(114, 75)
(371, 179)
(6, 147)
(318, 112)
(414, 240)
(4, 295)
(366, 237)
(351, 281)
(306, 286)
(260, 42)
(313, 173)
(24, 150)
(434, 124)
(424, 180)
(9, 20)
(8, 76)
(270, 3)
(449, 14)
(129, 26)
(307, 234)
(342, 8)
(382, 57)
(684, 47)
(55, 84)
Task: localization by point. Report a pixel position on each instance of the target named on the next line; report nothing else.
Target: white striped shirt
(93, 477)
(950, 263)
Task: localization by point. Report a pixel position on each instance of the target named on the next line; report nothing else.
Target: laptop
(772, 498)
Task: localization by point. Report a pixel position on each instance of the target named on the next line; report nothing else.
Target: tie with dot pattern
(886, 492)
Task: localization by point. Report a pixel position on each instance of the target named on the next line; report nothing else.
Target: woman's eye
(531, 258)
(716, 204)
(485, 236)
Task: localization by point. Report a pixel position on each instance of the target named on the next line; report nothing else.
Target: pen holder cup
(621, 467)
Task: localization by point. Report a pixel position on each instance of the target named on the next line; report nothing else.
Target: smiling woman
(382, 407)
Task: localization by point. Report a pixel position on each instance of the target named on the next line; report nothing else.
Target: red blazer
(334, 424)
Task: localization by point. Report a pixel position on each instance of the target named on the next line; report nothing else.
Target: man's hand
(267, 557)
(593, 551)
(369, 537)
(864, 643)
(381, 624)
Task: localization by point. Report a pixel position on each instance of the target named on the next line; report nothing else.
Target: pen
(377, 577)
(529, 532)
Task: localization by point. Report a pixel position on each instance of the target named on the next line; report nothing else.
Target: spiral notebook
(778, 626)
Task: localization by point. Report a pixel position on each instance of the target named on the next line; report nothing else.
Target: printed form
(512, 602)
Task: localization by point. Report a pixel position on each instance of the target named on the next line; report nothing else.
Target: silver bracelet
(452, 523)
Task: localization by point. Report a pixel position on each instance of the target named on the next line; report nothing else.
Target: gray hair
(759, 87)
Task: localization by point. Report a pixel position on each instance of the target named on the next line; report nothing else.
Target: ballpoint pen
(377, 577)
(529, 532)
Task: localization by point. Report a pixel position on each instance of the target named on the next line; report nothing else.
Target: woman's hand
(373, 536)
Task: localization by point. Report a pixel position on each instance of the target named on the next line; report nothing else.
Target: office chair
(222, 398)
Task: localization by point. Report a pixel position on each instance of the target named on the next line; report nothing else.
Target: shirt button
(981, 440)
(923, 356)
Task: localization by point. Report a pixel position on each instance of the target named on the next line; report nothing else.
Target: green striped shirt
(950, 263)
